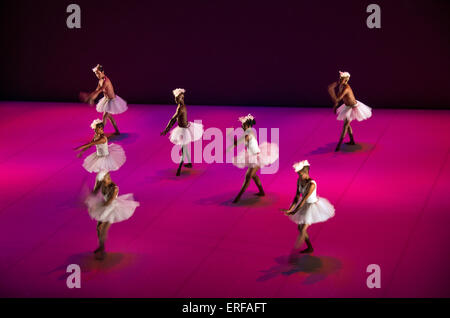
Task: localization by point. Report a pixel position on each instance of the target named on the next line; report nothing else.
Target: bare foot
(307, 250)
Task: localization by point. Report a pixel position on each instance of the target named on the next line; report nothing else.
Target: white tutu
(310, 213)
(183, 136)
(269, 153)
(120, 209)
(358, 112)
(113, 106)
(110, 159)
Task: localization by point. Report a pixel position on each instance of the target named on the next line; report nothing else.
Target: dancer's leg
(248, 176)
(188, 157)
(302, 236)
(350, 134)
(113, 122)
(258, 184)
(99, 231)
(105, 118)
(181, 161)
(343, 133)
(103, 234)
(309, 248)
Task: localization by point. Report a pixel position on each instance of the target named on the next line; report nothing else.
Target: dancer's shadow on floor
(170, 174)
(330, 147)
(247, 200)
(124, 138)
(316, 268)
(89, 264)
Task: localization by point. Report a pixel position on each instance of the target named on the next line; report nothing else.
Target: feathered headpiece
(101, 175)
(300, 165)
(178, 91)
(245, 118)
(95, 123)
(98, 67)
(344, 74)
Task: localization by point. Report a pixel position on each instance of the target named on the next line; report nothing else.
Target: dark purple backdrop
(229, 52)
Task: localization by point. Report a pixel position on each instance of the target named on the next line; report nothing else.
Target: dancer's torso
(108, 89)
(102, 149)
(251, 143)
(349, 98)
(313, 197)
(182, 117)
(108, 191)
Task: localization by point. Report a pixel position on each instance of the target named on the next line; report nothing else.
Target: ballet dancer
(311, 208)
(253, 156)
(106, 157)
(186, 131)
(108, 209)
(110, 103)
(350, 110)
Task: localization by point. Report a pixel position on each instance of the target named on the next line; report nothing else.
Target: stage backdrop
(228, 52)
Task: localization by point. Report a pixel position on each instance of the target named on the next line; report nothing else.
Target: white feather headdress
(300, 165)
(96, 68)
(178, 91)
(344, 74)
(95, 122)
(245, 118)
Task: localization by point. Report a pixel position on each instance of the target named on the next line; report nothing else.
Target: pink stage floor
(391, 194)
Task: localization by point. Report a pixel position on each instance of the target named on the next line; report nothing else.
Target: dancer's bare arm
(238, 141)
(92, 96)
(172, 121)
(295, 201)
(331, 91)
(310, 190)
(98, 185)
(92, 143)
(342, 94)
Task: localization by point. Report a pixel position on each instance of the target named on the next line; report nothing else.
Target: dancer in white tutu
(253, 156)
(311, 209)
(110, 103)
(350, 110)
(106, 157)
(108, 208)
(186, 131)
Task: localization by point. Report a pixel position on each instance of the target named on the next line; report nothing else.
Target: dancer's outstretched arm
(90, 97)
(172, 121)
(98, 90)
(92, 143)
(311, 188)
